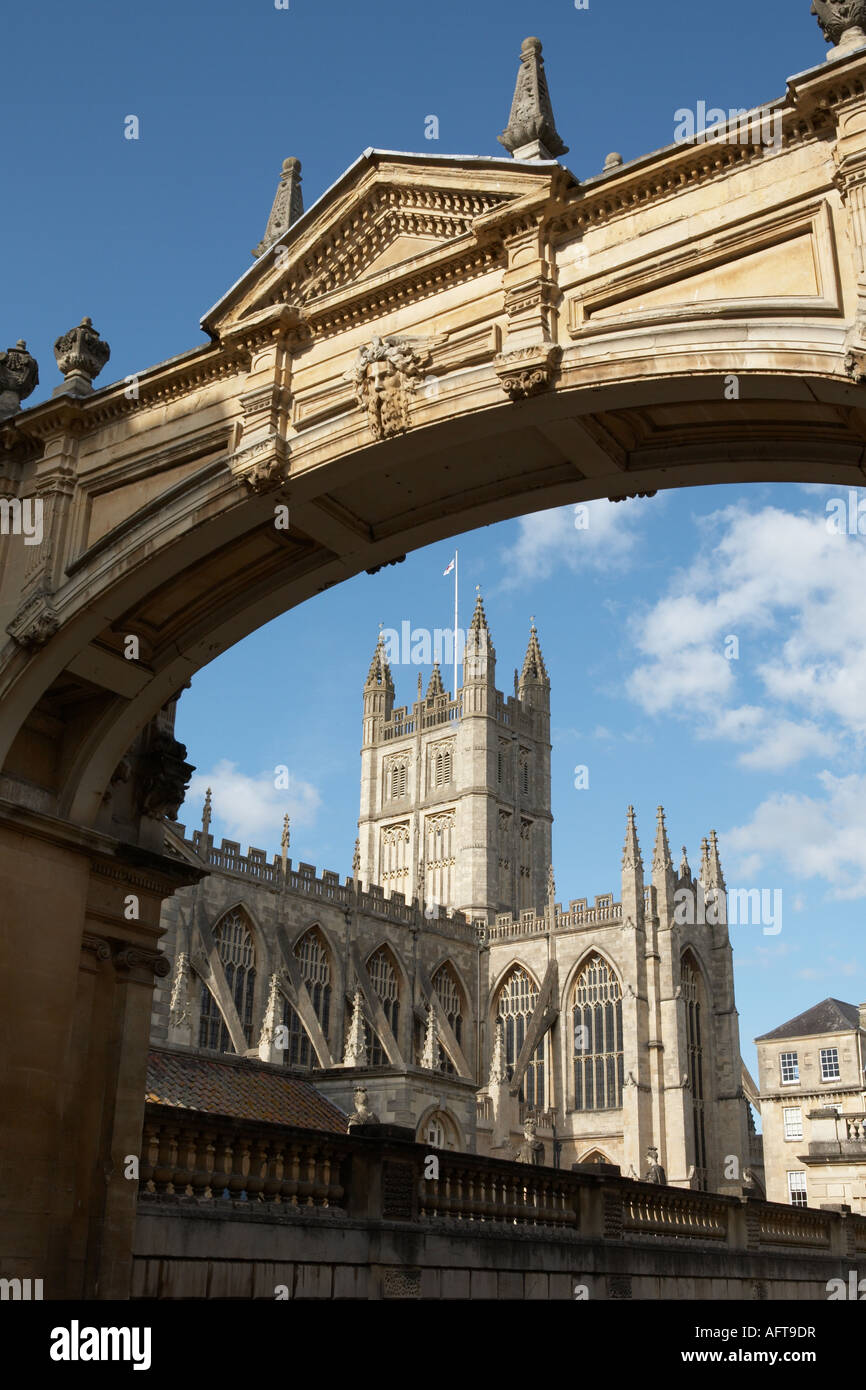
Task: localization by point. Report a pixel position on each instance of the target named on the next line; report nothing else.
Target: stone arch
(241, 971)
(466, 1017)
(396, 1002)
(695, 999)
(449, 1121)
(322, 985)
(594, 1155)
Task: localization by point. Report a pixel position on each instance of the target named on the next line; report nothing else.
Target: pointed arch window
(442, 767)
(451, 999)
(312, 956)
(515, 1005)
(398, 780)
(597, 1019)
(384, 979)
(692, 993)
(234, 944)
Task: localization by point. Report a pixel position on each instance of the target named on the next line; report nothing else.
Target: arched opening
(313, 958)
(515, 1004)
(597, 1036)
(382, 970)
(234, 942)
(694, 1001)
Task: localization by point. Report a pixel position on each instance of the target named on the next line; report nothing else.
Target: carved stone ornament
(527, 371)
(842, 22)
(380, 376)
(81, 354)
(264, 464)
(362, 1115)
(19, 374)
(288, 205)
(855, 364)
(130, 957)
(35, 622)
(163, 776)
(179, 1008)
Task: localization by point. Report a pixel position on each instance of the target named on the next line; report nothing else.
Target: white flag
(449, 569)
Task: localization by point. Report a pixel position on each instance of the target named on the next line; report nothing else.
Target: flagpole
(455, 623)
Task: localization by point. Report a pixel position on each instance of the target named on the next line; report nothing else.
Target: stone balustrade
(381, 1173)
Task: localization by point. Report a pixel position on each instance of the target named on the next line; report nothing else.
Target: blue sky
(634, 611)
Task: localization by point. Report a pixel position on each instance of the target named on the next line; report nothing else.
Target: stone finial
(287, 207)
(685, 870)
(356, 1043)
(179, 1007)
(498, 1067)
(842, 24)
(435, 686)
(206, 814)
(81, 354)
(270, 1022)
(356, 860)
(716, 878)
(430, 1054)
(662, 862)
(613, 160)
(531, 131)
(19, 374)
(631, 857)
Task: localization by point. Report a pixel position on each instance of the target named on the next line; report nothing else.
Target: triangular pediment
(387, 214)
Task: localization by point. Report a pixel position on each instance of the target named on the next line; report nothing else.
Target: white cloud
(547, 540)
(781, 584)
(251, 809)
(812, 836)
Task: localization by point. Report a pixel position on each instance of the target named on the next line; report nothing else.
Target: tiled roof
(830, 1016)
(240, 1087)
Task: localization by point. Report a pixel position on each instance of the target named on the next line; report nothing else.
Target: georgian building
(445, 974)
(813, 1107)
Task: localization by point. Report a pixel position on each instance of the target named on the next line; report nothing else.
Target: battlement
(579, 915)
(303, 878)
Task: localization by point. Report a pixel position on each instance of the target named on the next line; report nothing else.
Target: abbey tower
(455, 794)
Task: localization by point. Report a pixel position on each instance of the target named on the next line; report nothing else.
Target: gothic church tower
(455, 794)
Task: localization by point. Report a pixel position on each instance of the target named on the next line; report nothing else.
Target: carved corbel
(263, 464)
(527, 371)
(35, 622)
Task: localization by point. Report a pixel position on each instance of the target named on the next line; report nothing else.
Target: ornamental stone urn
(81, 354)
(842, 24)
(19, 374)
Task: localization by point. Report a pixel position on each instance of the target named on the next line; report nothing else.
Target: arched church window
(690, 980)
(312, 956)
(598, 1056)
(398, 780)
(515, 1006)
(384, 980)
(234, 944)
(450, 997)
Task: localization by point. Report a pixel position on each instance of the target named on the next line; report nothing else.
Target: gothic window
(236, 951)
(398, 782)
(595, 1156)
(441, 767)
(515, 1006)
(394, 858)
(692, 994)
(439, 858)
(312, 956)
(597, 1019)
(525, 875)
(384, 980)
(450, 997)
(524, 773)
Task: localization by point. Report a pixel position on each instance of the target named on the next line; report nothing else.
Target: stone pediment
(386, 217)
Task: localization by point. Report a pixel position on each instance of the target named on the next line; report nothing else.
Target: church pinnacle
(531, 131)
(479, 658)
(534, 668)
(435, 686)
(631, 858)
(379, 673)
(662, 862)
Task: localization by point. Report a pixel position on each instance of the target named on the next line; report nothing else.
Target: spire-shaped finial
(662, 854)
(551, 889)
(356, 860)
(534, 668)
(419, 685)
(285, 841)
(479, 655)
(430, 1054)
(379, 673)
(435, 687)
(716, 878)
(631, 850)
(531, 131)
(705, 862)
(206, 814)
(498, 1066)
(288, 205)
(685, 871)
(355, 1054)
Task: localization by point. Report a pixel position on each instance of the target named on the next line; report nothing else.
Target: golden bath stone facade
(693, 315)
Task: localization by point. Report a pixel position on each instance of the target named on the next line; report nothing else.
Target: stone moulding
(526, 371)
